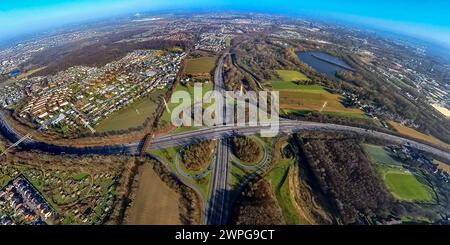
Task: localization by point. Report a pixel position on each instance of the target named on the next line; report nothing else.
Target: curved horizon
(426, 20)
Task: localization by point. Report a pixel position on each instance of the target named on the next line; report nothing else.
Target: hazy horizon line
(25, 36)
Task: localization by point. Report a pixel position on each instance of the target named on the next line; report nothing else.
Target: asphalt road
(217, 132)
(216, 211)
(286, 126)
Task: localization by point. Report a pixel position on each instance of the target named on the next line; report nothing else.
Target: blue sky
(427, 19)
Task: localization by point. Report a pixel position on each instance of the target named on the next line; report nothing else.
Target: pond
(15, 73)
(324, 63)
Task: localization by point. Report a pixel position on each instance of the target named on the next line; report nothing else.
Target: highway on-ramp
(215, 209)
(288, 126)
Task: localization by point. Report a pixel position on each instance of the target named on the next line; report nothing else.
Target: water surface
(324, 63)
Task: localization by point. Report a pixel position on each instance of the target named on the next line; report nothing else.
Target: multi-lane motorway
(288, 126)
(215, 210)
(217, 132)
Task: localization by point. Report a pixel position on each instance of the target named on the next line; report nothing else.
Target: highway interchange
(215, 211)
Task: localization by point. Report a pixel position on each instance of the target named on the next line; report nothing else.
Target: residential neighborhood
(81, 97)
(21, 203)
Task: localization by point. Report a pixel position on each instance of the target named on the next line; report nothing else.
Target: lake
(15, 73)
(324, 63)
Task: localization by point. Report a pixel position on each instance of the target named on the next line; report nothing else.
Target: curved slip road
(217, 132)
(218, 214)
(287, 126)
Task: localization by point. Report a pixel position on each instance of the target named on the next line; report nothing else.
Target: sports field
(131, 116)
(418, 135)
(200, 66)
(403, 184)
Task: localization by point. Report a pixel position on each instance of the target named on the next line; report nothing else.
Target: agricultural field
(418, 135)
(298, 98)
(402, 183)
(444, 111)
(200, 67)
(291, 75)
(314, 100)
(131, 116)
(155, 202)
(286, 85)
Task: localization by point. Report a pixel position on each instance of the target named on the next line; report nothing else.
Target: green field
(200, 65)
(168, 154)
(180, 130)
(301, 99)
(80, 176)
(378, 154)
(4, 179)
(176, 49)
(286, 85)
(166, 119)
(291, 75)
(131, 116)
(237, 175)
(278, 179)
(403, 184)
(328, 113)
